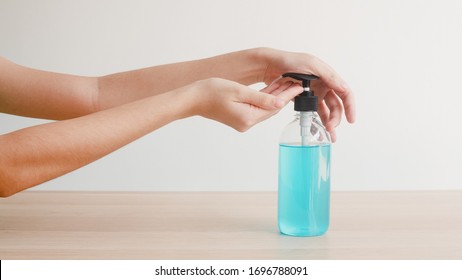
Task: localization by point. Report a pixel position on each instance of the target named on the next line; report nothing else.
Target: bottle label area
(304, 189)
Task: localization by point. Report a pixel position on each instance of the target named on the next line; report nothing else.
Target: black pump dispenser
(305, 101)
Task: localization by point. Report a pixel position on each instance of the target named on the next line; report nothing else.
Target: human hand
(239, 106)
(333, 92)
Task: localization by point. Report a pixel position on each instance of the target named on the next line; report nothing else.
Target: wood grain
(225, 225)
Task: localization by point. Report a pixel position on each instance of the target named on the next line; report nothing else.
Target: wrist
(245, 67)
(260, 58)
(189, 100)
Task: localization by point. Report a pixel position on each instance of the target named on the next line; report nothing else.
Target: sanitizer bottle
(304, 168)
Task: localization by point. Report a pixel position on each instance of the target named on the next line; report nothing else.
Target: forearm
(37, 154)
(245, 67)
(41, 94)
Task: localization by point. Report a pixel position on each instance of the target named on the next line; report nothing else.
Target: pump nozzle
(305, 101)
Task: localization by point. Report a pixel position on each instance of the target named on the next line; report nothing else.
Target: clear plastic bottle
(304, 169)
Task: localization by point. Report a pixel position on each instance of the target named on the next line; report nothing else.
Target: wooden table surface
(225, 225)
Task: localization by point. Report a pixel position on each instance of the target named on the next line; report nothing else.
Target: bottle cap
(305, 101)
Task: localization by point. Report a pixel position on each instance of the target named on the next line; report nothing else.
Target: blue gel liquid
(304, 190)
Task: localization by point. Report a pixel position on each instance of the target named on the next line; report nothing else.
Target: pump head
(305, 101)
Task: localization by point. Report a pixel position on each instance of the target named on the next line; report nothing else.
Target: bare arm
(41, 94)
(37, 154)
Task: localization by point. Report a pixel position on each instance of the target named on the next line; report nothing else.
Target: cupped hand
(239, 106)
(333, 92)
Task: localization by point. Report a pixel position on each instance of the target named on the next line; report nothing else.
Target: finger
(277, 87)
(284, 97)
(335, 82)
(323, 112)
(335, 110)
(290, 93)
(271, 87)
(261, 100)
(333, 135)
(348, 103)
(282, 88)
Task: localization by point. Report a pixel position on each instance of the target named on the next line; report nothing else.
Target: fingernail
(279, 103)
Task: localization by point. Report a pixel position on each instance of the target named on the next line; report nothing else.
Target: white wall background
(402, 58)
